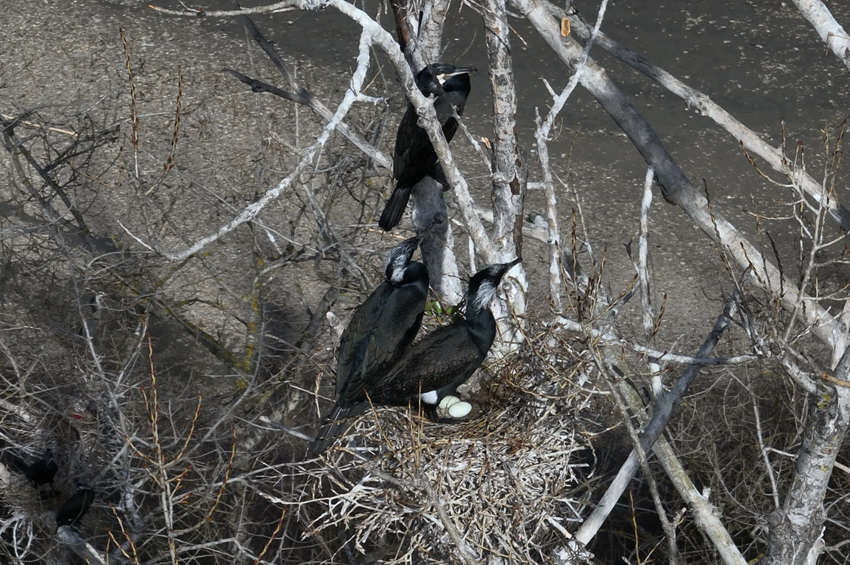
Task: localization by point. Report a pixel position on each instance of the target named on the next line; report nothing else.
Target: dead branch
(301, 95)
(828, 29)
(664, 408)
(677, 188)
(706, 107)
(796, 528)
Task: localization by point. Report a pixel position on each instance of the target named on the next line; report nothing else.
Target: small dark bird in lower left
(73, 510)
(42, 471)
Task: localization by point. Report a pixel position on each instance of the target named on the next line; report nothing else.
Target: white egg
(448, 401)
(460, 409)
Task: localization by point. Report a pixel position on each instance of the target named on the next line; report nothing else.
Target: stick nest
(505, 486)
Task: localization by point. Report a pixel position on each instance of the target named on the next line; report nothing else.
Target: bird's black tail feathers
(337, 424)
(842, 216)
(394, 210)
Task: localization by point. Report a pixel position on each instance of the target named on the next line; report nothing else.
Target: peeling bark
(438, 246)
(796, 527)
(510, 173)
(431, 28)
(427, 202)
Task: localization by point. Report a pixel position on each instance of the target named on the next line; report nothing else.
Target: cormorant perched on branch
(414, 156)
(378, 333)
(73, 510)
(42, 471)
(433, 368)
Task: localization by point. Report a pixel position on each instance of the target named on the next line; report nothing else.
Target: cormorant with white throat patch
(378, 333)
(433, 368)
(414, 157)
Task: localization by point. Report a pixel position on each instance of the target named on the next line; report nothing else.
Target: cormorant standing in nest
(414, 156)
(73, 510)
(378, 333)
(42, 471)
(433, 368)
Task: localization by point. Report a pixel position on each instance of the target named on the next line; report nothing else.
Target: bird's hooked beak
(443, 77)
(510, 265)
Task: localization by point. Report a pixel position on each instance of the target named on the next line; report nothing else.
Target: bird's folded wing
(355, 338)
(436, 361)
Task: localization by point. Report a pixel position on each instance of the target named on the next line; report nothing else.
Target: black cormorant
(414, 156)
(43, 471)
(433, 368)
(378, 333)
(73, 510)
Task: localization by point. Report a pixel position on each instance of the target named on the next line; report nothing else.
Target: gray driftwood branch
(427, 203)
(510, 169)
(664, 409)
(301, 95)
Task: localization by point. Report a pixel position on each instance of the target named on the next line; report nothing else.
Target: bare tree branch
(706, 107)
(676, 187)
(301, 95)
(829, 30)
(663, 410)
